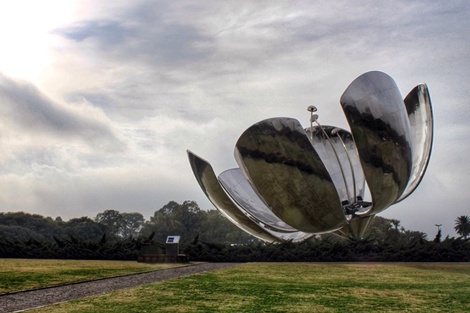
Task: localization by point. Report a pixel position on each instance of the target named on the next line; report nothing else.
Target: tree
(36, 223)
(192, 223)
(190, 216)
(176, 219)
(112, 219)
(132, 224)
(123, 225)
(462, 226)
(383, 229)
(414, 236)
(84, 228)
(437, 239)
(216, 228)
(167, 208)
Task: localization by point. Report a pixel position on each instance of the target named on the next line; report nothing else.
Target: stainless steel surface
(336, 149)
(293, 183)
(381, 130)
(279, 161)
(418, 107)
(213, 190)
(239, 189)
(356, 227)
(235, 184)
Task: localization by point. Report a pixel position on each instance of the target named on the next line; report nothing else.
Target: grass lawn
(19, 274)
(296, 287)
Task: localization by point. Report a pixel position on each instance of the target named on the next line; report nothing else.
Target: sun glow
(26, 34)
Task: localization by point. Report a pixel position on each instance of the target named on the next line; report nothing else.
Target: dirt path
(23, 300)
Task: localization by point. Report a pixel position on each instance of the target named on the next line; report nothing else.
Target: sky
(99, 100)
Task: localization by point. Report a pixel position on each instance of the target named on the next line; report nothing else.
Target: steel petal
(237, 187)
(379, 123)
(279, 161)
(336, 148)
(213, 190)
(355, 228)
(418, 107)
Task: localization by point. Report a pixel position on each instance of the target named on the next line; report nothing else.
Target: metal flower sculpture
(294, 182)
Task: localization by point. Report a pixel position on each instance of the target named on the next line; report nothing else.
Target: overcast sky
(99, 100)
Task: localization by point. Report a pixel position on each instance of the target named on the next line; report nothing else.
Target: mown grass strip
(296, 287)
(20, 274)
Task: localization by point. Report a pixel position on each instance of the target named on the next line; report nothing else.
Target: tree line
(208, 236)
(330, 250)
(111, 234)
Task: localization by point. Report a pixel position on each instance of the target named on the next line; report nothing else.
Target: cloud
(139, 82)
(25, 108)
(143, 35)
(108, 33)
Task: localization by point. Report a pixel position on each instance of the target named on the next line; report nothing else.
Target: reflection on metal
(293, 183)
(243, 219)
(338, 152)
(379, 124)
(237, 187)
(418, 107)
(279, 160)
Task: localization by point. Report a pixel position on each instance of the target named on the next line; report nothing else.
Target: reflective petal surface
(208, 182)
(278, 159)
(381, 130)
(337, 150)
(418, 107)
(355, 228)
(293, 182)
(214, 192)
(236, 185)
